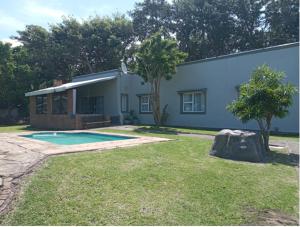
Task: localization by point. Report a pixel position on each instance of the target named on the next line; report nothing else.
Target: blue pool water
(63, 138)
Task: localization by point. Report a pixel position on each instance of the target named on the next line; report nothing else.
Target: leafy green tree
(262, 99)
(282, 17)
(15, 78)
(65, 42)
(250, 26)
(7, 67)
(35, 40)
(156, 59)
(105, 42)
(150, 16)
(204, 28)
(72, 48)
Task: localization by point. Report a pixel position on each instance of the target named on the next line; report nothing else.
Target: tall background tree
(202, 28)
(282, 18)
(156, 59)
(15, 77)
(151, 16)
(208, 28)
(72, 48)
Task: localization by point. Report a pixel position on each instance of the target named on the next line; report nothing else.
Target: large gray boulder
(238, 145)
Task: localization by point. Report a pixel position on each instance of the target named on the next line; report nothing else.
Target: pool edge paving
(20, 155)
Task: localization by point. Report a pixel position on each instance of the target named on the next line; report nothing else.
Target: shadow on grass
(156, 130)
(276, 157)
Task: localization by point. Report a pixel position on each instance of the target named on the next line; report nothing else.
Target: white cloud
(13, 42)
(34, 7)
(10, 22)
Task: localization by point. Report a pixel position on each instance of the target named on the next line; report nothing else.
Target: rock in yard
(238, 145)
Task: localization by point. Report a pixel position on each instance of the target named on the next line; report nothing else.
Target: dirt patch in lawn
(270, 217)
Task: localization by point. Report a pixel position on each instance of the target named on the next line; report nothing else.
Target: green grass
(174, 130)
(168, 130)
(14, 128)
(169, 183)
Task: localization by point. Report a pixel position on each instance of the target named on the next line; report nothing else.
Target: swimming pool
(64, 138)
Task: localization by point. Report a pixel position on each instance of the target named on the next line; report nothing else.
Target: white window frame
(147, 104)
(202, 93)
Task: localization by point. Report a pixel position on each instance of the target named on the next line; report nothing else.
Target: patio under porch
(76, 105)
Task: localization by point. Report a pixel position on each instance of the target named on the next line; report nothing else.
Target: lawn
(175, 130)
(169, 183)
(14, 128)
(169, 130)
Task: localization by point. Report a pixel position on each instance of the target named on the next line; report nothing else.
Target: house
(196, 96)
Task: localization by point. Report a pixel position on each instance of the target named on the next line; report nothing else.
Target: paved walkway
(19, 155)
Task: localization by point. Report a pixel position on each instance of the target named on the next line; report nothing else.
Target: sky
(15, 14)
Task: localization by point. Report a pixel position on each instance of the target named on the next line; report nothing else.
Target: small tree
(264, 97)
(156, 59)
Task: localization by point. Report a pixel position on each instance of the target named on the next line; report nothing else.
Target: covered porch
(80, 104)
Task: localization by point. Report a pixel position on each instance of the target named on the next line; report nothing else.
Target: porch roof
(68, 86)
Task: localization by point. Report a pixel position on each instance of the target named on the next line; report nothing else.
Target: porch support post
(119, 97)
(74, 101)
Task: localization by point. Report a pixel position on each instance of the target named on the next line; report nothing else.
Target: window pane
(187, 107)
(187, 97)
(64, 103)
(197, 102)
(99, 105)
(144, 107)
(41, 104)
(144, 99)
(55, 104)
(59, 103)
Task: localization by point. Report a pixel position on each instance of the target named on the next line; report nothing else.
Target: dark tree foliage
(282, 17)
(202, 28)
(72, 48)
(250, 26)
(151, 16)
(15, 77)
(35, 40)
(207, 28)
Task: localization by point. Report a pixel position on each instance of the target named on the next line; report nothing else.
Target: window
(193, 102)
(124, 103)
(59, 103)
(41, 104)
(145, 104)
(91, 105)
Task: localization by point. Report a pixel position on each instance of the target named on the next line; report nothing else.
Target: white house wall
(220, 77)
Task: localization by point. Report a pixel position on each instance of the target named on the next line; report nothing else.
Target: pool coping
(33, 152)
(104, 145)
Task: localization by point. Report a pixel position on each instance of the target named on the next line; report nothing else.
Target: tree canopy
(15, 77)
(156, 59)
(263, 98)
(202, 28)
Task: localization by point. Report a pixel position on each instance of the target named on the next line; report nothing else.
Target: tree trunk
(267, 136)
(266, 140)
(265, 132)
(155, 88)
(88, 64)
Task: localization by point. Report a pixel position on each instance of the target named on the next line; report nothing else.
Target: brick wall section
(53, 121)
